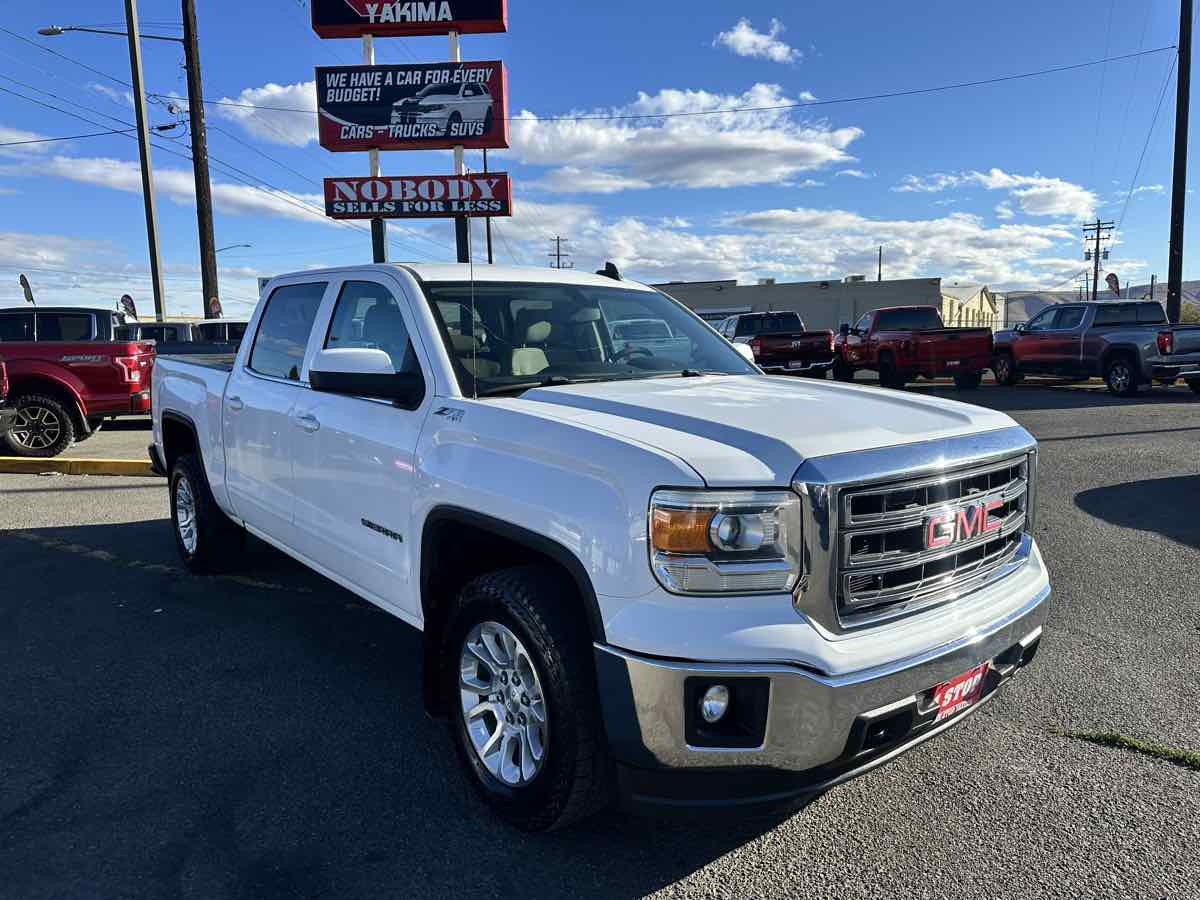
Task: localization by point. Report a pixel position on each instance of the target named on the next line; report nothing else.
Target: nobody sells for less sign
(419, 196)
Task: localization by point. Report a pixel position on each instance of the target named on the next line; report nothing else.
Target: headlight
(725, 542)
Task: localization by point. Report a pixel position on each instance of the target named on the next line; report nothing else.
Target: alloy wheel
(1119, 377)
(37, 427)
(503, 705)
(185, 514)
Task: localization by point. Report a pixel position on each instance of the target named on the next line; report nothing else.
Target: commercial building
(821, 304)
(970, 306)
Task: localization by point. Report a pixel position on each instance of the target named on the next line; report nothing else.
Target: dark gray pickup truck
(1128, 344)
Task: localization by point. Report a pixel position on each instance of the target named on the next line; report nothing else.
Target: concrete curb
(19, 465)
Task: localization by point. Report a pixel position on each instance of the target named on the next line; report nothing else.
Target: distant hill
(1021, 306)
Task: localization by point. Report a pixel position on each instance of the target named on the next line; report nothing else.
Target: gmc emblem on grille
(953, 526)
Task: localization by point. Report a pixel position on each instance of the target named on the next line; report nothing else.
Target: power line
(70, 59)
(1149, 134)
(72, 137)
(887, 95)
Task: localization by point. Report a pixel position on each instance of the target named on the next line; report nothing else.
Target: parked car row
(1128, 344)
(68, 369)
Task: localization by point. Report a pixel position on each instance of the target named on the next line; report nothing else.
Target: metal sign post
(378, 226)
(461, 238)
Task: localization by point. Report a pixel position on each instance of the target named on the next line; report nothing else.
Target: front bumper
(820, 729)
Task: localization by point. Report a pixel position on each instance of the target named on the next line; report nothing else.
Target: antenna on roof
(609, 271)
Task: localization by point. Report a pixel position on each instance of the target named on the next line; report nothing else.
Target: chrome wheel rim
(185, 514)
(1002, 370)
(37, 427)
(503, 705)
(1119, 377)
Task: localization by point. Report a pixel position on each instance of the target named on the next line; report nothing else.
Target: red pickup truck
(67, 375)
(781, 342)
(7, 416)
(903, 342)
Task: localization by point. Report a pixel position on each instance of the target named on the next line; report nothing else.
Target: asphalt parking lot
(167, 735)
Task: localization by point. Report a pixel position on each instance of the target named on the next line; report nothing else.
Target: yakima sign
(427, 106)
(396, 18)
(419, 196)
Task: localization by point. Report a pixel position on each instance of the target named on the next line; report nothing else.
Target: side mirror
(746, 353)
(844, 329)
(362, 372)
(1021, 329)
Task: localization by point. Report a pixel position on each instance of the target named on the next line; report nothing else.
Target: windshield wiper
(548, 381)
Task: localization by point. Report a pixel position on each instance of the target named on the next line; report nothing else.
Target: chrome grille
(887, 563)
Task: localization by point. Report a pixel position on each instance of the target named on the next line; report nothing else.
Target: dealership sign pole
(378, 225)
(461, 236)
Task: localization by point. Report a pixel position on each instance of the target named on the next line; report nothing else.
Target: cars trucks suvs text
(668, 581)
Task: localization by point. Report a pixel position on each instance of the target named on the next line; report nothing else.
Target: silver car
(463, 110)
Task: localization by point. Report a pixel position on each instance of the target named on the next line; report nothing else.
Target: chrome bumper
(813, 719)
(808, 367)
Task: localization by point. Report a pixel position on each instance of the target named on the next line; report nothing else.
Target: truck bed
(222, 362)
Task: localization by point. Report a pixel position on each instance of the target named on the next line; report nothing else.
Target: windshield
(437, 90)
(525, 334)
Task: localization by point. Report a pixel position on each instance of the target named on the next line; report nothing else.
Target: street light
(231, 246)
(204, 212)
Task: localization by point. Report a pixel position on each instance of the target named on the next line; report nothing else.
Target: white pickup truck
(669, 583)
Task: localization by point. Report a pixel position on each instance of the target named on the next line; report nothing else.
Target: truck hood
(753, 429)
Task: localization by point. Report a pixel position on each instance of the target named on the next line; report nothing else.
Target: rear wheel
(43, 427)
(525, 715)
(207, 539)
(842, 371)
(1005, 369)
(967, 381)
(1120, 376)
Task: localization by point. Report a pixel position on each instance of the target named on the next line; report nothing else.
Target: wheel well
(1116, 353)
(178, 437)
(458, 545)
(37, 384)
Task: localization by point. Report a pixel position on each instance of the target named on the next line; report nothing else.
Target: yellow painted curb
(19, 465)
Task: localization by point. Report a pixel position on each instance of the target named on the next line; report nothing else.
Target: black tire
(889, 375)
(842, 371)
(219, 541)
(44, 427)
(1004, 367)
(575, 775)
(968, 381)
(1120, 375)
(96, 425)
(1194, 385)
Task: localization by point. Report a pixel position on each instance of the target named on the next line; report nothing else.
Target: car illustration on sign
(462, 110)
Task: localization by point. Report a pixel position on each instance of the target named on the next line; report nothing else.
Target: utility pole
(378, 226)
(1183, 89)
(879, 277)
(461, 236)
(204, 210)
(558, 255)
(1098, 232)
(487, 222)
(143, 130)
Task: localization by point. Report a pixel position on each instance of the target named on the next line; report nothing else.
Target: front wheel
(206, 538)
(1005, 369)
(967, 381)
(524, 708)
(1120, 377)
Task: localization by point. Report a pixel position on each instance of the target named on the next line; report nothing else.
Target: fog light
(715, 703)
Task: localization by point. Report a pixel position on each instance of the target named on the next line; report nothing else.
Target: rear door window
(284, 330)
(16, 327)
(1116, 314)
(64, 327)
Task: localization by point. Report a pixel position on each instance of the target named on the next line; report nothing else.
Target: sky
(980, 184)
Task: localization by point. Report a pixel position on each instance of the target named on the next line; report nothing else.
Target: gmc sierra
(668, 581)
(1126, 344)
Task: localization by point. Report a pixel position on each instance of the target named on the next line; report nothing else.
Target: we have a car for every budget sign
(419, 196)
(426, 106)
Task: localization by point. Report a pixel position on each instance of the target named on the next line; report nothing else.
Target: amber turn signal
(680, 530)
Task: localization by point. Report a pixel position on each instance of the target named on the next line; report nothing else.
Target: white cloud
(573, 180)
(125, 98)
(1148, 189)
(273, 125)
(855, 173)
(698, 151)
(15, 135)
(1036, 194)
(1004, 211)
(744, 40)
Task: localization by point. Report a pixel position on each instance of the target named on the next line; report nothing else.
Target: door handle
(308, 422)
(235, 403)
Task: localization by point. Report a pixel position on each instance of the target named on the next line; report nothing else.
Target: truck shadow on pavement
(220, 738)
(1163, 505)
